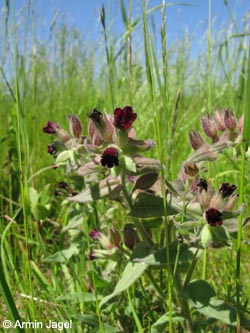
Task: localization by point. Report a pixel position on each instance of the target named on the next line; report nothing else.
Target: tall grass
(170, 89)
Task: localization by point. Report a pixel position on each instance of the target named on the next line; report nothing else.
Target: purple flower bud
(195, 139)
(124, 118)
(50, 128)
(209, 128)
(130, 236)
(219, 120)
(226, 189)
(109, 157)
(214, 217)
(230, 120)
(75, 126)
(95, 234)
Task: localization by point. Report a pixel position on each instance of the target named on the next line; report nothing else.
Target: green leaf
(127, 163)
(206, 236)
(160, 325)
(197, 297)
(130, 274)
(148, 205)
(182, 252)
(64, 156)
(64, 255)
(202, 298)
(107, 188)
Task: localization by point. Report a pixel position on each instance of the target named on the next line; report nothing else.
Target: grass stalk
(244, 148)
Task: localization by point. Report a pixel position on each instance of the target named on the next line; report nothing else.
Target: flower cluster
(111, 160)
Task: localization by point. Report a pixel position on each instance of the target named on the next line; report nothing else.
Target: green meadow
(163, 275)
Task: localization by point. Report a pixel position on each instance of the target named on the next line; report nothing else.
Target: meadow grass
(169, 89)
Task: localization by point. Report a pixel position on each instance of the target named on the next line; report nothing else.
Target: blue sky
(84, 15)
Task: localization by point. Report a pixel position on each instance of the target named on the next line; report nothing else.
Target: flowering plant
(194, 215)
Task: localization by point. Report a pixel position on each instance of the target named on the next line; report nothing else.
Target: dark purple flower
(50, 128)
(226, 189)
(51, 149)
(214, 217)
(124, 118)
(95, 234)
(203, 184)
(109, 157)
(95, 115)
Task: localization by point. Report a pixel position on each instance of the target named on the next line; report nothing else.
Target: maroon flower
(95, 234)
(110, 157)
(226, 189)
(124, 118)
(50, 128)
(214, 217)
(51, 149)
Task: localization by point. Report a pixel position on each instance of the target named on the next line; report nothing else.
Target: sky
(85, 15)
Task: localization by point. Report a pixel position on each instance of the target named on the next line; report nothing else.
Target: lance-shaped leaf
(107, 188)
(130, 274)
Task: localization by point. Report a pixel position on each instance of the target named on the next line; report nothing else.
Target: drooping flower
(109, 157)
(50, 128)
(214, 217)
(124, 118)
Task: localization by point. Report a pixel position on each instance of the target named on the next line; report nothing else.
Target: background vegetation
(47, 79)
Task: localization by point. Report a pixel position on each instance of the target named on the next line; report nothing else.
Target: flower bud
(75, 126)
(191, 169)
(230, 120)
(129, 235)
(195, 139)
(115, 237)
(219, 120)
(209, 128)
